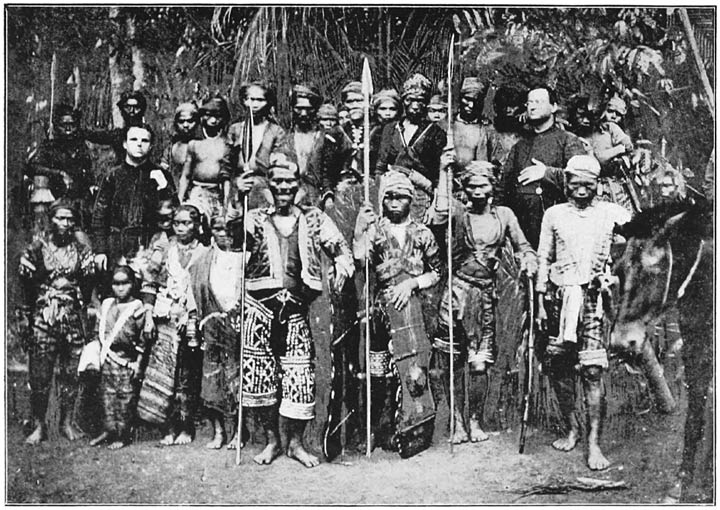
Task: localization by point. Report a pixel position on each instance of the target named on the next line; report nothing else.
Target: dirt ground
(645, 450)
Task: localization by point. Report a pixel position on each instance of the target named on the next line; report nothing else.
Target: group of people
(165, 255)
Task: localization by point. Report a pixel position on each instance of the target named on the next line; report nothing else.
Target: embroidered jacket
(317, 233)
(417, 257)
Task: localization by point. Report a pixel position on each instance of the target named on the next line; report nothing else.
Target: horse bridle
(688, 278)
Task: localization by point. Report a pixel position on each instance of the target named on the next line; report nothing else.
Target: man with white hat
(574, 249)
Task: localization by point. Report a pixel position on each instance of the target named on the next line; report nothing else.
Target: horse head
(661, 246)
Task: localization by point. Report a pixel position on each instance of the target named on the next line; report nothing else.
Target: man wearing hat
(532, 179)
(132, 105)
(574, 250)
(285, 244)
(185, 123)
(481, 229)
(207, 164)
(414, 143)
(57, 272)
(405, 259)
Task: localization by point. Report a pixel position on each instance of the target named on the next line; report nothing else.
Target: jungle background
(87, 56)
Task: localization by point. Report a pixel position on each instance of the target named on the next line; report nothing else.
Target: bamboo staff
(247, 154)
(367, 91)
(451, 332)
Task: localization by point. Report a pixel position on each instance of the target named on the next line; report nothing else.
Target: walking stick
(247, 154)
(367, 91)
(451, 332)
(530, 359)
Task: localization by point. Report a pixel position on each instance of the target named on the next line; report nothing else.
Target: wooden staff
(697, 58)
(367, 91)
(451, 332)
(247, 154)
(53, 72)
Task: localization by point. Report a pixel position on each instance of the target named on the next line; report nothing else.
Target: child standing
(119, 330)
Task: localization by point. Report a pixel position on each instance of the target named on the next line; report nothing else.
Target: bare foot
(216, 443)
(183, 438)
(596, 460)
(565, 444)
(37, 435)
(476, 433)
(116, 445)
(167, 440)
(232, 445)
(269, 454)
(297, 451)
(71, 432)
(460, 435)
(102, 437)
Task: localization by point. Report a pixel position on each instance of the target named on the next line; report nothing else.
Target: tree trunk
(116, 75)
(138, 58)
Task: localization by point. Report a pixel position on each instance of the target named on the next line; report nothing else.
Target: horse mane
(648, 223)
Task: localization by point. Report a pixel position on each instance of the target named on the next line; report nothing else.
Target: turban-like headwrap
(479, 169)
(618, 105)
(190, 108)
(583, 166)
(472, 86)
(385, 95)
(352, 87)
(327, 111)
(62, 203)
(216, 105)
(417, 84)
(397, 181)
(307, 91)
(437, 100)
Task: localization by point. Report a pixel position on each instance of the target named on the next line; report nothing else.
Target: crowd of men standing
(160, 254)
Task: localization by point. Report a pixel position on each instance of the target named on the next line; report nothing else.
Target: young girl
(172, 379)
(119, 330)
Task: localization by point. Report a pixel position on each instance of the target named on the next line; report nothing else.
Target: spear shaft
(367, 91)
(451, 332)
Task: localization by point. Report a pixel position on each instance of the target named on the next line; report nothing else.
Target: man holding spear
(284, 244)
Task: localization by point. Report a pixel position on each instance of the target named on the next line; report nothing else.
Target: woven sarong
(157, 394)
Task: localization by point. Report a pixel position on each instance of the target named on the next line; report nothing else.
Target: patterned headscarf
(395, 180)
(352, 87)
(417, 84)
(281, 160)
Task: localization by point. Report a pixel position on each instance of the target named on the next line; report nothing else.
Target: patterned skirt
(119, 394)
(157, 393)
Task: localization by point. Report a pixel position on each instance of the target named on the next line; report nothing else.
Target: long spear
(247, 154)
(451, 332)
(367, 91)
(53, 74)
